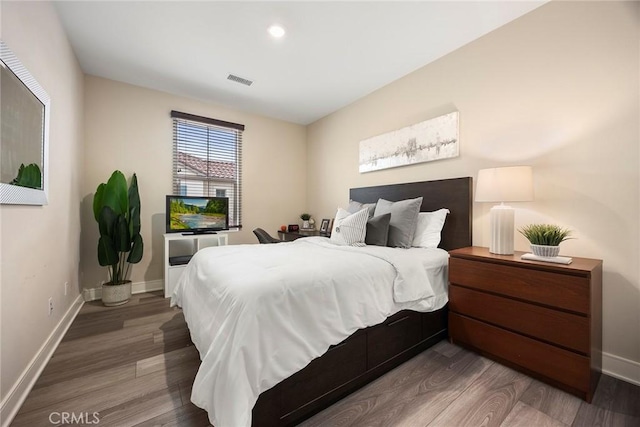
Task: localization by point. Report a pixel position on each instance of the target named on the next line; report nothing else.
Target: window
(207, 160)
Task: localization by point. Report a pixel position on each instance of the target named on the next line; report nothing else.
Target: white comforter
(259, 313)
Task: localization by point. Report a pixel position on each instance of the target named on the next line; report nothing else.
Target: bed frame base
(371, 352)
(364, 356)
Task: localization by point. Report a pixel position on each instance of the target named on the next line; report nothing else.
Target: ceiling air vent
(239, 80)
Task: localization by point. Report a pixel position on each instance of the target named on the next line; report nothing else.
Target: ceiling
(332, 54)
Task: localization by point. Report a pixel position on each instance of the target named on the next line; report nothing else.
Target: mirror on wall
(24, 134)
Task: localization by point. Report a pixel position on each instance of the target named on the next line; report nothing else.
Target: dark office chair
(264, 237)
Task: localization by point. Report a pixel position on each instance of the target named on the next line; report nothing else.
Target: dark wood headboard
(455, 194)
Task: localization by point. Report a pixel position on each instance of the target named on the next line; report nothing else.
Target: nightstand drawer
(551, 362)
(565, 329)
(564, 291)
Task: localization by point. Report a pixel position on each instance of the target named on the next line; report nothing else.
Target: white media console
(176, 261)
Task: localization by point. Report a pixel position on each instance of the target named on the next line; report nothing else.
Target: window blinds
(207, 160)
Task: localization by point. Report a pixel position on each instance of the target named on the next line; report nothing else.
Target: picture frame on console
(324, 226)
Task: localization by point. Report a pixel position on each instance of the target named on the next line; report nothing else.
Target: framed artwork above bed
(430, 140)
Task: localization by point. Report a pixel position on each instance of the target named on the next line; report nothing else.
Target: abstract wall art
(433, 139)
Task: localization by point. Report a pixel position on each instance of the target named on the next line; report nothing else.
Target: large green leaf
(107, 222)
(122, 240)
(115, 194)
(107, 255)
(98, 201)
(134, 222)
(134, 207)
(136, 250)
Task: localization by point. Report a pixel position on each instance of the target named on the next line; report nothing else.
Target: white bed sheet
(259, 313)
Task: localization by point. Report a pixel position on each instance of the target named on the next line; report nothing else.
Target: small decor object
(324, 226)
(545, 239)
(117, 212)
(283, 228)
(293, 228)
(306, 225)
(555, 259)
(430, 140)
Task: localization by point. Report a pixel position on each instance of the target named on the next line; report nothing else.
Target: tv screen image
(197, 214)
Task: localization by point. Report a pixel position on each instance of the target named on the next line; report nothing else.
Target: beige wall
(129, 128)
(40, 244)
(556, 89)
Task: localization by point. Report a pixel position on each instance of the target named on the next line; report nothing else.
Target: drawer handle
(395, 322)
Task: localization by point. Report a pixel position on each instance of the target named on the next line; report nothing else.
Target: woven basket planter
(545, 251)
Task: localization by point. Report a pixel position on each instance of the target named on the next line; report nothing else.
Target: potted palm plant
(545, 239)
(117, 212)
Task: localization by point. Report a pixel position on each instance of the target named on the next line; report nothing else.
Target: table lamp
(508, 184)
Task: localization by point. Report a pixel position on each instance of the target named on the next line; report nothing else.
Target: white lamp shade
(508, 184)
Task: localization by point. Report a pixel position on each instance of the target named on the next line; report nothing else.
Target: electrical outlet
(66, 288)
(50, 305)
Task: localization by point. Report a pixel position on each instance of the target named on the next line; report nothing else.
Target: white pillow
(428, 228)
(350, 229)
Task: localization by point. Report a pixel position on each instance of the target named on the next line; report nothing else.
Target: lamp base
(502, 224)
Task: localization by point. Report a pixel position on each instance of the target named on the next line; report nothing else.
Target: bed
(287, 346)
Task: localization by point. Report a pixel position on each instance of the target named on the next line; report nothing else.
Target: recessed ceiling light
(276, 31)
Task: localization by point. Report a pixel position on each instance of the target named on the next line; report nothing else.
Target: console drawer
(561, 328)
(547, 360)
(566, 291)
(399, 332)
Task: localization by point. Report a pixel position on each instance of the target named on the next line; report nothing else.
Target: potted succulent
(117, 211)
(28, 176)
(305, 220)
(545, 239)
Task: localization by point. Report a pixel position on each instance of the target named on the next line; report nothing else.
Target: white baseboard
(621, 368)
(20, 390)
(94, 294)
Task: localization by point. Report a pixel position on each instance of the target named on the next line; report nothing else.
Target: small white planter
(545, 251)
(113, 295)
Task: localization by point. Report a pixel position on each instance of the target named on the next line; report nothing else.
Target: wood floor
(133, 366)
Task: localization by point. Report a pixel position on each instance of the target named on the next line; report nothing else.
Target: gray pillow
(357, 206)
(404, 218)
(378, 230)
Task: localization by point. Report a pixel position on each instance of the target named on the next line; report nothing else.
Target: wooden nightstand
(541, 318)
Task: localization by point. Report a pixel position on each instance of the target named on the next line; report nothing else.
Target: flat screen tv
(194, 214)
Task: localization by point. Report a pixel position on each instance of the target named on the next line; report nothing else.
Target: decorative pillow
(357, 206)
(404, 216)
(349, 229)
(428, 228)
(378, 230)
